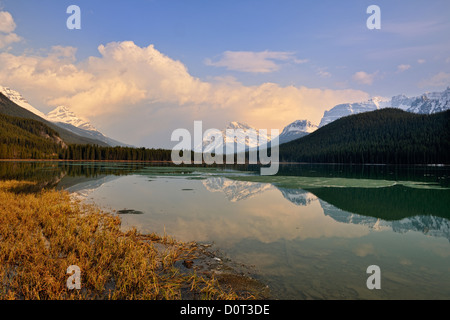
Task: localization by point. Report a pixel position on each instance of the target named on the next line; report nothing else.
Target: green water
(309, 232)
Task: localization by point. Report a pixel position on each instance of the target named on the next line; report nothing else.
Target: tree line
(93, 152)
(22, 138)
(388, 136)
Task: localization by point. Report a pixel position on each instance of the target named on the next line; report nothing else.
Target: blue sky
(316, 48)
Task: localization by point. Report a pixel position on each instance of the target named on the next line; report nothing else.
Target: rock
(188, 263)
(129, 211)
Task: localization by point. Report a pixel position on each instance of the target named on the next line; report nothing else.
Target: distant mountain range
(75, 129)
(295, 130)
(427, 103)
(388, 135)
(242, 133)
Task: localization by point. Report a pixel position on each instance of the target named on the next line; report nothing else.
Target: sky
(139, 69)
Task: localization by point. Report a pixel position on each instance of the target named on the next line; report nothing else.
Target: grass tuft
(43, 233)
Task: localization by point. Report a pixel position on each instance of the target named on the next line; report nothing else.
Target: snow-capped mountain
(243, 133)
(253, 137)
(430, 102)
(64, 115)
(65, 118)
(401, 102)
(296, 129)
(18, 99)
(346, 109)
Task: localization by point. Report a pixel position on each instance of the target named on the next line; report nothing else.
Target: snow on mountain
(243, 133)
(430, 102)
(18, 99)
(346, 109)
(296, 129)
(64, 115)
(253, 137)
(401, 102)
(65, 118)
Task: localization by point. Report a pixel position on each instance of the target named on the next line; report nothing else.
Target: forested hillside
(7, 107)
(91, 152)
(382, 136)
(30, 139)
(26, 138)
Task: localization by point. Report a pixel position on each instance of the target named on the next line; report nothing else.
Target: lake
(310, 232)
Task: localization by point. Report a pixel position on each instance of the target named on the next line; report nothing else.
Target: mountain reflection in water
(311, 231)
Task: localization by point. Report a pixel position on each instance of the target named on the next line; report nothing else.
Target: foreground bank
(50, 244)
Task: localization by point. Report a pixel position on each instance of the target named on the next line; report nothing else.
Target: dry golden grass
(43, 233)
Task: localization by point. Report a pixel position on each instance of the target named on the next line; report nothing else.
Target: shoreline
(57, 231)
(230, 164)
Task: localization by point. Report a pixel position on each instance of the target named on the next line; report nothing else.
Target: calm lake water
(309, 232)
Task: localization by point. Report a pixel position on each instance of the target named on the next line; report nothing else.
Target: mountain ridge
(427, 103)
(387, 135)
(10, 108)
(63, 118)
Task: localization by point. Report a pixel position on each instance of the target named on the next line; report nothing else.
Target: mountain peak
(238, 125)
(380, 102)
(299, 126)
(18, 99)
(245, 138)
(62, 109)
(65, 115)
(296, 129)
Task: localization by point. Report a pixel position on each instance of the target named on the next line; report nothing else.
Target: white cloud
(403, 67)
(300, 61)
(7, 26)
(256, 62)
(323, 73)
(421, 61)
(150, 93)
(363, 77)
(442, 79)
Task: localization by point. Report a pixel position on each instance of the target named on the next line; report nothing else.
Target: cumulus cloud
(7, 26)
(403, 67)
(157, 92)
(440, 79)
(7, 23)
(323, 73)
(256, 62)
(363, 77)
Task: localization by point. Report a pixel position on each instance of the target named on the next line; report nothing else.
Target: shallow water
(309, 232)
